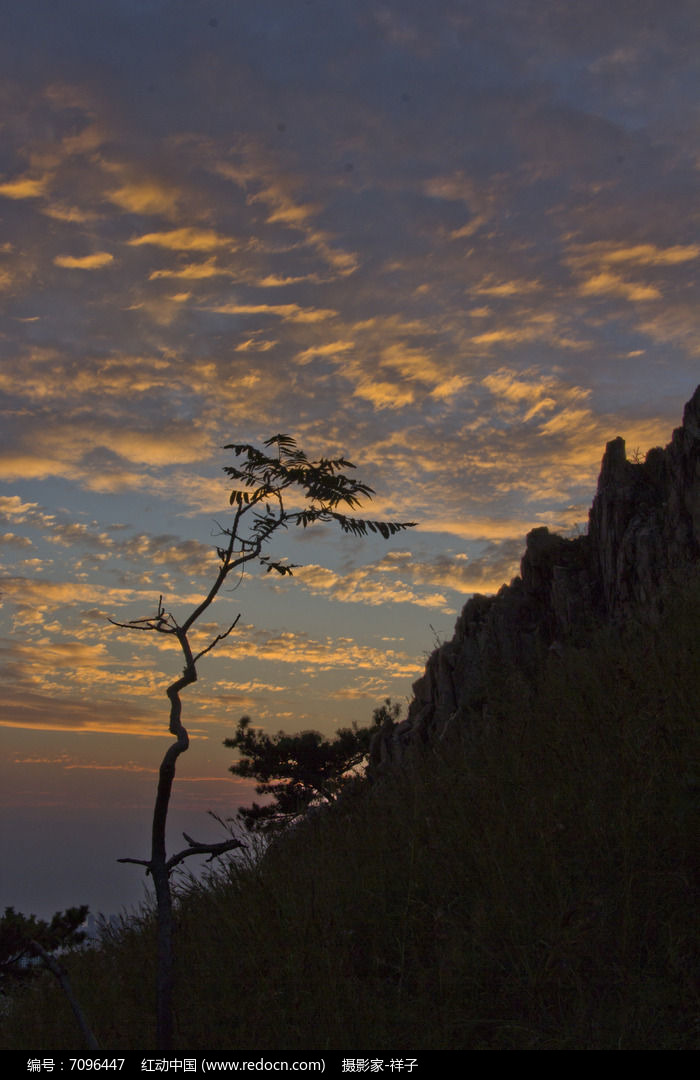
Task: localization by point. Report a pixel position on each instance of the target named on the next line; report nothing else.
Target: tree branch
(195, 848)
(217, 639)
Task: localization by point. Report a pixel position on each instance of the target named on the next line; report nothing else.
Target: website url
(262, 1065)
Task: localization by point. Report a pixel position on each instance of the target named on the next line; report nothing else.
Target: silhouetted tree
(24, 937)
(301, 770)
(265, 481)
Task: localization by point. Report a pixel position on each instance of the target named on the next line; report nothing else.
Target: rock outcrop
(644, 530)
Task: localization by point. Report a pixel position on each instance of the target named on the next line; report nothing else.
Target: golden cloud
(15, 466)
(275, 281)
(383, 395)
(479, 528)
(85, 262)
(314, 656)
(283, 311)
(610, 284)
(494, 337)
(193, 271)
(186, 239)
(417, 366)
(26, 187)
(12, 507)
(63, 212)
(332, 348)
(63, 713)
(145, 197)
(255, 345)
(158, 448)
(363, 586)
(472, 227)
(508, 288)
(638, 254)
(650, 255)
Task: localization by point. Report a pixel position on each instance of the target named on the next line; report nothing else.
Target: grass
(532, 885)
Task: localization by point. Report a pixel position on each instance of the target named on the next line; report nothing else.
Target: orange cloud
(86, 262)
(26, 187)
(638, 254)
(282, 311)
(193, 271)
(331, 349)
(608, 283)
(186, 239)
(145, 197)
(63, 212)
(508, 288)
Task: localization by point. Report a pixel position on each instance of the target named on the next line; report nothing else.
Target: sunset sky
(457, 243)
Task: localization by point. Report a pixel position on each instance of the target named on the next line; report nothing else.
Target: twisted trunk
(158, 865)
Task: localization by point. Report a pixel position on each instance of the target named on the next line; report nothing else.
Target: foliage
(259, 511)
(300, 770)
(323, 488)
(19, 935)
(24, 937)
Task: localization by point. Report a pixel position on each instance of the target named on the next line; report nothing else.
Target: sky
(455, 243)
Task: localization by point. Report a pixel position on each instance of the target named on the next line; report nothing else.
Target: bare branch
(151, 624)
(217, 639)
(195, 848)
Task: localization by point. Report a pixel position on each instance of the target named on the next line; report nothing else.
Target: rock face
(644, 528)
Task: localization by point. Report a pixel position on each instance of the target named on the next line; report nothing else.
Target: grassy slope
(531, 886)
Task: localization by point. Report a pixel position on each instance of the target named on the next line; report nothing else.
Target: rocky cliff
(643, 531)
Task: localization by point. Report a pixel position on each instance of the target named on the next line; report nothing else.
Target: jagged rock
(644, 529)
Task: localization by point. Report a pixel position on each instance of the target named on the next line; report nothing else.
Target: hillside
(643, 535)
(522, 874)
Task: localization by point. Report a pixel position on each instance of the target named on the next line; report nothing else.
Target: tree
(24, 936)
(300, 770)
(266, 482)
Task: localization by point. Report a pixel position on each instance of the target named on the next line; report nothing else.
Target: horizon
(458, 247)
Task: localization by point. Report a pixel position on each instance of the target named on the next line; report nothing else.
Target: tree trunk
(161, 880)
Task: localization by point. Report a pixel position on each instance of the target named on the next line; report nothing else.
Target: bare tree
(259, 510)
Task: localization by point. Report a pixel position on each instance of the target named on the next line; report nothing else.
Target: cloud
(169, 447)
(365, 585)
(12, 508)
(292, 312)
(330, 349)
(200, 271)
(381, 393)
(69, 213)
(401, 577)
(26, 708)
(607, 283)
(277, 193)
(312, 655)
(651, 255)
(185, 239)
(9, 539)
(27, 187)
(145, 197)
(507, 288)
(606, 257)
(84, 262)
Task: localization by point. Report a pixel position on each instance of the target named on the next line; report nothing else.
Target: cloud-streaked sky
(457, 243)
